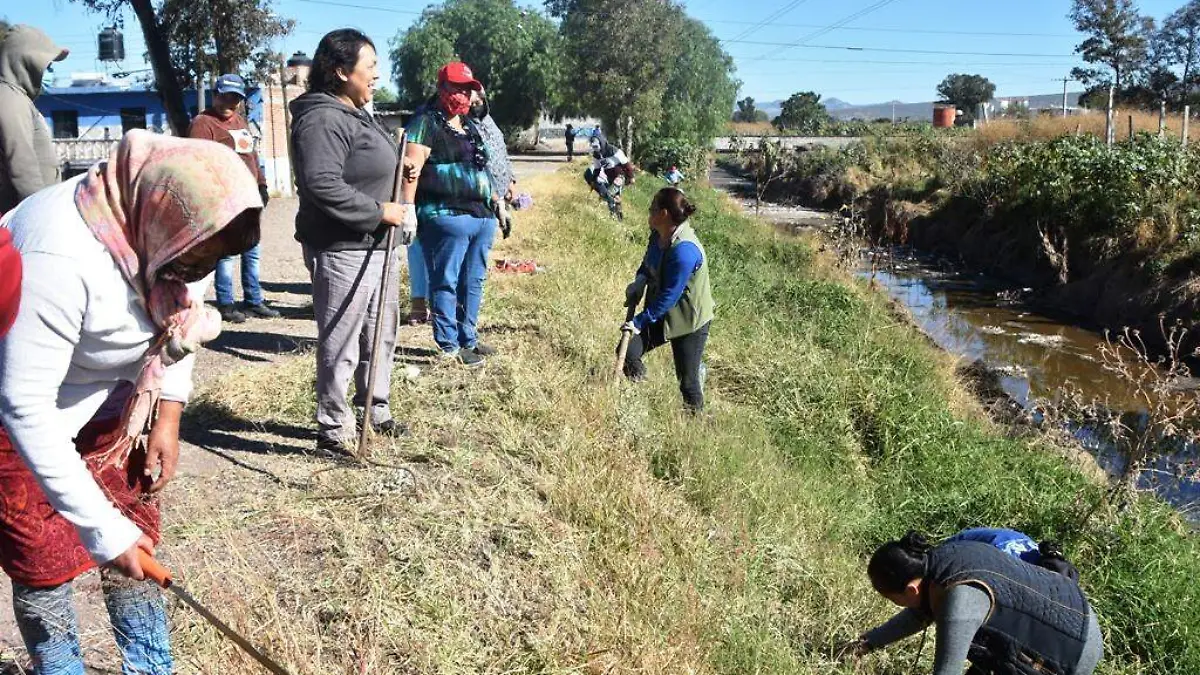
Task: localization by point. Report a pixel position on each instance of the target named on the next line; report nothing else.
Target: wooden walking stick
(373, 364)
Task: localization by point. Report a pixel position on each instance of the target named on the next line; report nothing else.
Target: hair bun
(915, 542)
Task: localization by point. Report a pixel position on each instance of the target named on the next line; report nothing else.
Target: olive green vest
(695, 306)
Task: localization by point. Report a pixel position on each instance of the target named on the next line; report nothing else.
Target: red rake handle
(153, 569)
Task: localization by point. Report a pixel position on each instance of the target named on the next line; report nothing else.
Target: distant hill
(924, 111)
(773, 108)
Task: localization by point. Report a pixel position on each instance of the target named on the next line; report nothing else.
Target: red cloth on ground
(40, 548)
(10, 282)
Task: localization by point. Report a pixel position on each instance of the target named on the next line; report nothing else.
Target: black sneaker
(470, 358)
(260, 311)
(481, 349)
(391, 428)
(334, 448)
(231, 314)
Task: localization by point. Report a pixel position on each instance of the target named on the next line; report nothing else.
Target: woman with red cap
(456, 207)
(94, 375)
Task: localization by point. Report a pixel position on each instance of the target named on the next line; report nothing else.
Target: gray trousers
(346, 287)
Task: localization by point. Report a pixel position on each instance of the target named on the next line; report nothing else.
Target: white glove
(408, 227)
(620, 181)
(629, 327)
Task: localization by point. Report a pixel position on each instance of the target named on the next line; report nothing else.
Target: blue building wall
(98, 109)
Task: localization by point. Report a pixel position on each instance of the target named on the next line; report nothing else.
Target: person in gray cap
(28, 162)
(224, 124)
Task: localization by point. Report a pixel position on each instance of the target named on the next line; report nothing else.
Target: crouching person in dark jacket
(345, 165)
(679, 305)
(1004, 616)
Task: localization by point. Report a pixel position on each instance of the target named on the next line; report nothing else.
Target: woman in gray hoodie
(345, 165)
(28, 162)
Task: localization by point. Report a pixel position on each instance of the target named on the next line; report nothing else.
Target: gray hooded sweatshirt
(28, 162)
(345, 164)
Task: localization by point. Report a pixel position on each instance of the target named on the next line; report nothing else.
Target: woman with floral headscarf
(94, 375)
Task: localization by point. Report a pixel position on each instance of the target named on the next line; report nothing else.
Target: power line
(834, 26)
(853, 48)
(774, 15)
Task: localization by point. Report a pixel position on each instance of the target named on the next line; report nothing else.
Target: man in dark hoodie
(345, 166)
(28, 162)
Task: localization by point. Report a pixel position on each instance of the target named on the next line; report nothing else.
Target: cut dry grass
(1044, 128)
(544, 519)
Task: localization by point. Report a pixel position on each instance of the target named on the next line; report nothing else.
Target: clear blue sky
(881, 71)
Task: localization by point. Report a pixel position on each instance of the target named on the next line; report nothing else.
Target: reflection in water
(972, 317)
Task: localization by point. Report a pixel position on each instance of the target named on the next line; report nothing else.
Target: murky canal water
(981, 319)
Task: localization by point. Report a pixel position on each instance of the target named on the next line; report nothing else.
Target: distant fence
(77, 154)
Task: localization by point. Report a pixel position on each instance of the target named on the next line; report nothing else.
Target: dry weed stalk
(1165, 421)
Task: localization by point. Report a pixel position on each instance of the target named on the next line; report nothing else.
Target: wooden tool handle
(153, 569)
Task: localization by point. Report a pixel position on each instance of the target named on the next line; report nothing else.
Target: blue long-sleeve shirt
(680, 264)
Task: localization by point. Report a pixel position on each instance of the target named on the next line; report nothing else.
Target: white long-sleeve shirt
(80, 332)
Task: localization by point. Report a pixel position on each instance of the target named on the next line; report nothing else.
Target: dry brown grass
(1043, 128)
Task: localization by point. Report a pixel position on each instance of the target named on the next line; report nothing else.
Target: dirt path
(215, 458)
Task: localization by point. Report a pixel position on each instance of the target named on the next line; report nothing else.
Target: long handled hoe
(364, 450)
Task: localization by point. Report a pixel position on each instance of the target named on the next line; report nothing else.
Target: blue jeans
(46, 618)
(223, 284)
(418, 274)
(456, 253)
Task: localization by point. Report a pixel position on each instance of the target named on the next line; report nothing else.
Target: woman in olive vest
(679, 306)
(1005, 616)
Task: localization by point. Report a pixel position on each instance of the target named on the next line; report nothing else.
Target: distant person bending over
(673, 176)
(28, 161)
(345, 166)
(224, 124)
(990, 608)
(94, 376)
(611, 170)
(679, 306)
(569, 137)
(456, 211)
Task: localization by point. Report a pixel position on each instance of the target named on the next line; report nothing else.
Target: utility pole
(1065, 80)
(893, 113)
(1110, 131)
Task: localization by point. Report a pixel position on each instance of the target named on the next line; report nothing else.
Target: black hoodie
(344, 161)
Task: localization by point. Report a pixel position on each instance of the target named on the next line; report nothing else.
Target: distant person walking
(456, 210)
(28, 161)
(224, 124)
(569, 136)
(679, 307)
(345, 163)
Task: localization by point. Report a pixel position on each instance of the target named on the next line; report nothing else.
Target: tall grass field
(544, 518)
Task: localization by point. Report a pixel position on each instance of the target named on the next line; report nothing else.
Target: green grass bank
(562, 522)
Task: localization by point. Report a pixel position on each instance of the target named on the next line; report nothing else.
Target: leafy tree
(1177, 45)
(622, 54)
(515, 53)
(966, 92)
(221, 34)
(1018, 110)
(1118, 39)
(803, 112)
(213, 37)
(746, 111)
(700, 89)
(385, 96)
(158, 53)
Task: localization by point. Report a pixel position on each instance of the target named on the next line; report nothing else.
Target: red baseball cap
(457, 72)
(10, 282)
